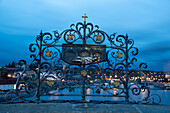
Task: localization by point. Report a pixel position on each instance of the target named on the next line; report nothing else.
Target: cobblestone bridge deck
(83, 108)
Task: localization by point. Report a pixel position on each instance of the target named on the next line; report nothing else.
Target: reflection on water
(164, 94)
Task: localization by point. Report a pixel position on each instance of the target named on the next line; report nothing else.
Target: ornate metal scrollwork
(81, 69)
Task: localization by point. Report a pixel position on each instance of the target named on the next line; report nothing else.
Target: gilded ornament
(119, 55)
(98, 38)
(50, 82)
(84, 72)
(116, 83)
(69, 37)
(48, 53)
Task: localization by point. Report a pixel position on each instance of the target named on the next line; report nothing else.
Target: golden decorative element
(64, 67)
(69, 37)
(119, 55)
(48, 53)
(98, 38)
(116, 83)
(84, 72)
(50, 82)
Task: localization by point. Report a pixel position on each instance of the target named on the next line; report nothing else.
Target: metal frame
(53, 74)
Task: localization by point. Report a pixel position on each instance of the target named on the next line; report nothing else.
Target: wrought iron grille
(65, 64)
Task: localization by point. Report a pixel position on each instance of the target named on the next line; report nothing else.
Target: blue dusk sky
(147, 22)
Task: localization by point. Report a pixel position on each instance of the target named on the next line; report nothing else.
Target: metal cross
(85, 17)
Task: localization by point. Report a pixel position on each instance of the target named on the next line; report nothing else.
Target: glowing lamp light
(98, 38)
(69, 37)
(119, 55)
(91, 81)
(88, 76)
(48, 53)
(9, 75)
(143, 90)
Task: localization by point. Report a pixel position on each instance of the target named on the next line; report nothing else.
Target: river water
(164, 95)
